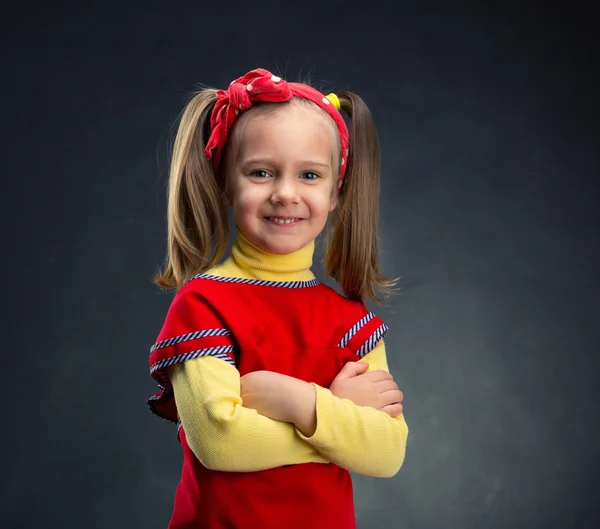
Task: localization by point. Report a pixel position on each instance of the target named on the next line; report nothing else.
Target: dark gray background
(489, 212)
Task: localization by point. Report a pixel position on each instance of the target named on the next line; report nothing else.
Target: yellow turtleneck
(247, 261)
(228, 437)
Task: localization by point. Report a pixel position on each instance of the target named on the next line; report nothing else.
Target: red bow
(262, 85)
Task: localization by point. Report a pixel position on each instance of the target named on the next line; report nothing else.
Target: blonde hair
(197, 226)
(352, 256)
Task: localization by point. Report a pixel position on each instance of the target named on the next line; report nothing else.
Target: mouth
(284, 221)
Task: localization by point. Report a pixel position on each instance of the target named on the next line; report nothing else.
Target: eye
(260, 173)
(309, 175)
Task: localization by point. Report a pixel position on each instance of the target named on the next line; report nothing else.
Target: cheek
(322, 204)
(247, 198)
(333, 201)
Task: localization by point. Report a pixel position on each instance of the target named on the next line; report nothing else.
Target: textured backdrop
(488, 119)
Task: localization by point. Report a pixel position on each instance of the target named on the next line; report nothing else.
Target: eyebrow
(259, 161)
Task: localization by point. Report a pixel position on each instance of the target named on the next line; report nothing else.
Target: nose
(285, 191)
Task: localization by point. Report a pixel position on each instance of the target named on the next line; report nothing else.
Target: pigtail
(197, 228)
(352, 256)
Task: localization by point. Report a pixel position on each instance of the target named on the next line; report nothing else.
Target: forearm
(358, 438)
(221, 432)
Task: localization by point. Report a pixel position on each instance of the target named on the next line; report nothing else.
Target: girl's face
(282, 183)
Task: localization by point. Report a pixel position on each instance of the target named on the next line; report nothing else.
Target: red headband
(262, 85)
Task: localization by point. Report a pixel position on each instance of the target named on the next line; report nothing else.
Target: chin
(282, 249)
(281, 245)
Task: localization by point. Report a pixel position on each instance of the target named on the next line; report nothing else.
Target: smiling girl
(279, 385)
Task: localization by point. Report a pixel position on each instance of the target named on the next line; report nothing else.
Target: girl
(279, 385)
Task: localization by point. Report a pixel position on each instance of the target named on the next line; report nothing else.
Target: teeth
(282, 221)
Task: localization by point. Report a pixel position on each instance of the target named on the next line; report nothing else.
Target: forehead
(293, 128)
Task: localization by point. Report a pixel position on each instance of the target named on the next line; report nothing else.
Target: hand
(376, 389)
(272, 394)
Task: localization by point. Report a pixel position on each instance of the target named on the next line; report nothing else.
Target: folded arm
(359, 438)
(226, 436)
(221, 432)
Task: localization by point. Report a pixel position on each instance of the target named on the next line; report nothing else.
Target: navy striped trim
(219, 352)
(157, 399)
(355, 328)
(370, 344)
(259, 282)
(189, 336)
(179, 427)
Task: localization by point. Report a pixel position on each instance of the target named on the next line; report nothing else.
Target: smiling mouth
(284, 220)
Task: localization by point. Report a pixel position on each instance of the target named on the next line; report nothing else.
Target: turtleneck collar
(250, 262)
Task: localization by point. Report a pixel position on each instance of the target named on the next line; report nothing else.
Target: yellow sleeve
(359, 438)
(221, 432)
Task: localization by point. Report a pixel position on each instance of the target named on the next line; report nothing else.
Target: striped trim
(259, 282)
(166, 390)
(179, 427)
(189, 336)
(355, 328)
(370, 344)
(160, 398)
(219, 352)
(157, 399)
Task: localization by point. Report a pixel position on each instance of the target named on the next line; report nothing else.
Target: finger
(397, 392)
(386, 385)
(378, 376)
(391, 397)
(351, 369)
(393, 410)
(361, 366)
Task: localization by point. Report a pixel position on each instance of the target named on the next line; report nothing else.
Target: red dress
(303, 329)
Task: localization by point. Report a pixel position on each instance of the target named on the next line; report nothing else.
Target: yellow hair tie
(335, 100)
